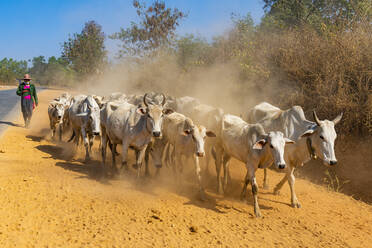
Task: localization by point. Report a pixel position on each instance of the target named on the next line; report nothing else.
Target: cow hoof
(296, 205)
(202, 196)
(220, 191)
(258, 214)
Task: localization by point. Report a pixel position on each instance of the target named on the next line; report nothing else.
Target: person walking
(29, 101)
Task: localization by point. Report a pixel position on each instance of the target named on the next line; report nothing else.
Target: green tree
(193, 51)
(156, 29)
(334, 14)
(11, 69)
(39, 66)
(85, 52)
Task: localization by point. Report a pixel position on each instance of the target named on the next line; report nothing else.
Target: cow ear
(210, 134)
(141, 111)
(259, 145)
(112, 106)
(307, 133)
(168, 111)
(288, 141)
(338, 118)
(187, 132)
(52, 104)
(85, 107)
(98, 100)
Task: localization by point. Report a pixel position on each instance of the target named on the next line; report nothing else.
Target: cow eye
(271, 146)
(321, 137)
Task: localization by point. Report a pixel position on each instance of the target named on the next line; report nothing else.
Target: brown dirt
(47, 200)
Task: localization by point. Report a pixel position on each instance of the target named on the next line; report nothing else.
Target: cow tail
(72, 136)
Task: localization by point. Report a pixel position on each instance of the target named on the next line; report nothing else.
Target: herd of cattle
(168, 129)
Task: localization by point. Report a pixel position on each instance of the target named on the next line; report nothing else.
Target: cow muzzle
(200, 154)
(333, 162)
(281, 166)
(156, 134)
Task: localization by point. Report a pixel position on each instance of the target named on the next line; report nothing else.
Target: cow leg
(77, 137)
(147, 157)
(124, 162)
(265, 181)
(104, 150)
(54, 133)
(218, 163)
(243, 194)
(207, 160)
(86, 144)
(279, 186)
(198, 174)
(91, 139)
(178, 167)
(60, 132)
(113, 167)
(139, 158)
(291, 180)
(252, 177)
(76, 140)
(226, 173)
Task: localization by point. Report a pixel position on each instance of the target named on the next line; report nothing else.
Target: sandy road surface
(47, 200)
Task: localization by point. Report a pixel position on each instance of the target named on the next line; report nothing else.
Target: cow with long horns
(134, 126)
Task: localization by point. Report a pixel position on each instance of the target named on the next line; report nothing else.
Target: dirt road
(49, 201)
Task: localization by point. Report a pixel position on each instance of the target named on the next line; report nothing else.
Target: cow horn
(144, 100)
(338, 118)
(316, 118)
(164, 99)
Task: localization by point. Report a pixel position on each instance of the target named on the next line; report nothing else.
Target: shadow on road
(35, 138)
(9, 123)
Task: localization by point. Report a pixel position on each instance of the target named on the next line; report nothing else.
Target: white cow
(251, 145)
(187, 140)
(211, 118)
(313, 139)
(64, 98)
(56, 113)
(134, 126)
(84, 117)
(186, 104)
(116, 96)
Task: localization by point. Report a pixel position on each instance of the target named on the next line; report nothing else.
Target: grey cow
(84, 118)
(133, 126)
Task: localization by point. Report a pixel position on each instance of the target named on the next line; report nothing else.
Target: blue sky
(31, 28)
